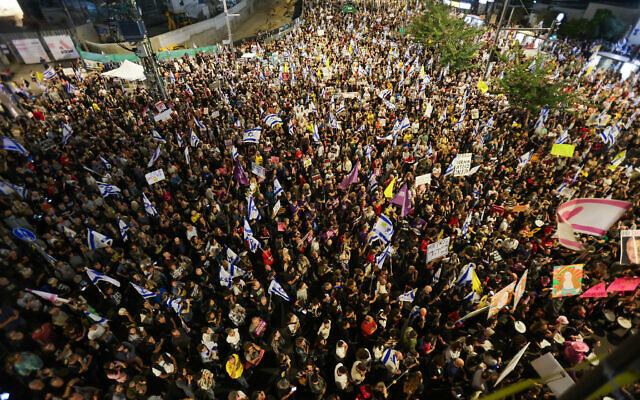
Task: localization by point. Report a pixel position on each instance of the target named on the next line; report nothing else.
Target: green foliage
(532, 89)
(450, 36)
(603, 25)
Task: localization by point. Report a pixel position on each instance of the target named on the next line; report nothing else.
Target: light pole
(226, 17)
(504, 10)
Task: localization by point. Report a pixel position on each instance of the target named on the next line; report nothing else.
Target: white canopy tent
(127, 70)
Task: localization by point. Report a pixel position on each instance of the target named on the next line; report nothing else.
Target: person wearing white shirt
(341, 376)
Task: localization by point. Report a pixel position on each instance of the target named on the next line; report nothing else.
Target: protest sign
(155, 176)
(512, 364)
(565, 150)
(625, 284)
(599, 290)
(567, 280)
(629, 247)
(547, 366)
(463, 164)
(438, 249)
(163, 116)
(423, 179)
(258, 170)
(500, 299)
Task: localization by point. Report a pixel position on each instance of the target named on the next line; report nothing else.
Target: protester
(284, 252)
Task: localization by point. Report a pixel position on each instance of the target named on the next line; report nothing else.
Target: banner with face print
(630, 247)
(567, 280)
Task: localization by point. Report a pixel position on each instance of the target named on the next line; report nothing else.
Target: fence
(162, 55)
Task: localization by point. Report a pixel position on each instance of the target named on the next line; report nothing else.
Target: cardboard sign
(423, 179)
(463, 164)
(565, 150)
(500, 299)
(258, 170)
(626, 284)
(512, 364)
(215, 114)
(599, 290)
(160, 106)
(567, 280)
(438, 249)
(163, 116)
(567, 192)
(155, 176)
(547, 366)
(228, 143)
(275, 159)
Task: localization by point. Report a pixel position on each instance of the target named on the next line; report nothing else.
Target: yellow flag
(388, 192)
(286, 67)
(328, 63)
(319, 73)
(350, 49)
(475, 282)
(482, 85)
(39, 76)
(565, 150)
(422, 72)
(95, 107)
(618, 160)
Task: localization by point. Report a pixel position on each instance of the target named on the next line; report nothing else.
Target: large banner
(61, 46)
(30, 50)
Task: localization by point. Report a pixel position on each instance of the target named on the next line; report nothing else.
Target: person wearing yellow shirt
(234, 369)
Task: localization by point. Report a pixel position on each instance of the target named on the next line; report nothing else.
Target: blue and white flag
(341, 109)
(316, 135)
(465, 226)
(429, 151)
(189, 91)
(194, 139)
(49, 74)
(372, 182)
(333, 122)
(123, 229)
(384, 93)
(312, 107)
(277, 188)
(525, 158)
(389, 358)
(238, 124)
(272, 121)
(96, 240)
(383, 229)
(96, 318)
(252, 135)
(367, 152)
(148, 207)
(252, 209)
(105, 162)
(224, 277)
(68, 87)
(390, 105)
(275, 288)
(436, 276)
(292, 129)
(231, 256)
(142, 291)
(443, 116)
(96, 277)
(186, 155)
(157, 136)
(69, 233)
(234, 153)
(451, 167)
(66, 133)
(106, 189)
(466, 274)
(9, 188)
(382, 256)
(179, 140)
(11, 145)
(154, 157)
(544, 113)
(199, 124)
(248, 236)
(564, 137)
(174, 304)
(410, 296)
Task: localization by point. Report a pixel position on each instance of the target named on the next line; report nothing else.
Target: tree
(603, 25)
(448, 35)
(529, 84)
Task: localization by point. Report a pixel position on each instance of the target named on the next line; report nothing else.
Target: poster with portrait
(630, 247)
(567, 280)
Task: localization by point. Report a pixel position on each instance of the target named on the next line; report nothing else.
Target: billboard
(61, 47)
(30, 50)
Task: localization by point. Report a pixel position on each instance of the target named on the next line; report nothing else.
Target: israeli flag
(231, 256)
(333, 122)
(199, 124)
(174, 304)
(179, 140)
(390, 105)
(8, 189)
(275, 288)
(157, 136)
(382, 256)
(105, 162)
(410, 296)
(277, 188)
(106, 189)
(148, 207)
(316, 135)
(154, 157)
(372, 182)
(49, 74)
(292, 129)
(404, 125)
(224, 277)
(532, 66)
(436, 276)
(429, 151)
(69, 233)
(194, 139)
(234, 153)
(252, 209)
(312, 107)
(252, 135)
(96, 277)
(389, 358)
(123, 229)
(451, 167)
(248, 236)
(96, 318)
(96, 240)
(142, 291)
(341, 108)
(367, 152)
(525, 158)
(466, 274)
(383, 229)
(238, 124)
(69, 88)
(186, 155)
(488, 125)
(564, 137)
(272, 120)
(465, 227)
(384, 93)
(12, 145)
(189, 91)
(66, 133)
(443, 116)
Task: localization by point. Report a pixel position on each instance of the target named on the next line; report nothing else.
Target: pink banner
(624, 285)
(599, 290)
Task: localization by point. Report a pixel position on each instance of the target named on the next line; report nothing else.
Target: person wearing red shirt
(368, 326)
(267, 258)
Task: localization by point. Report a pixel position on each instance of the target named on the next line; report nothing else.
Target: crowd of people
(249, 271)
